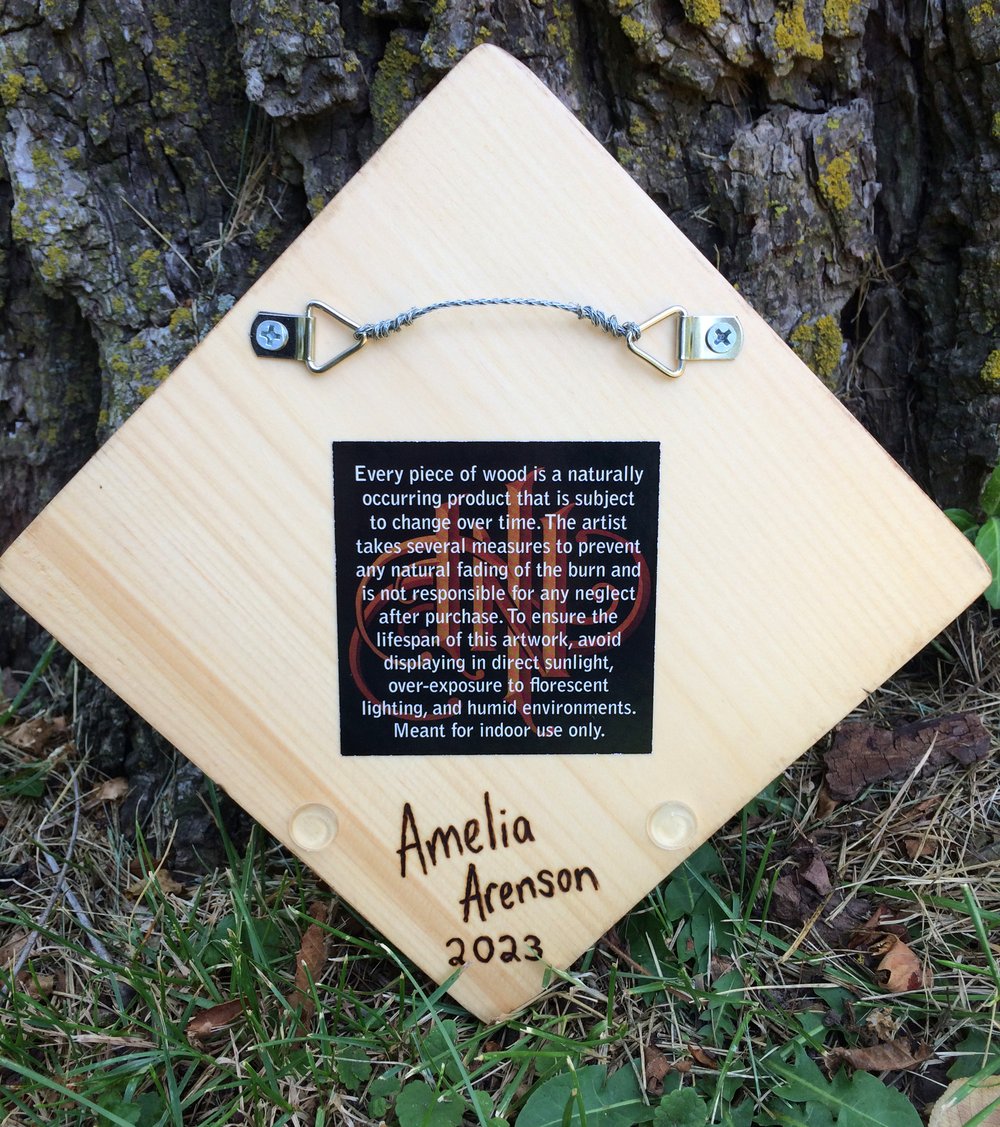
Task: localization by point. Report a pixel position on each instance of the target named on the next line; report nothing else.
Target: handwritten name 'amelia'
(491, 833)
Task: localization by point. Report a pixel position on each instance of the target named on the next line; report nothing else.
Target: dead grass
(126, 956)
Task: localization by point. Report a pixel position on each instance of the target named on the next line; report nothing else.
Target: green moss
(54, 264)
(144, 266)
(820, 344)
(834, 181)
(990, 371)
(560, 30)
(119, 366)
(157, 375)
(11, 86)
(42, 159)
(996, 124)
(837, 16)
(635, 30)
(145, 271)
(982, 11)
(265, 236)
(702, 12)
(18, 221)
(170, 60)
(791, 34)
(180, 319)
(393, 85)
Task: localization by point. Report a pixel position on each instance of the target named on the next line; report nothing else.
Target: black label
(496, 598)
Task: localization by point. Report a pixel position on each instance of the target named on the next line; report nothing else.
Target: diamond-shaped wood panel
(493, 622)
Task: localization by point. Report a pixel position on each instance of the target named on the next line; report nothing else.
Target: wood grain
(189, 564)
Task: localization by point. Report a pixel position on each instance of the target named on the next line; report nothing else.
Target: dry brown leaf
(10, 950)
(882, 1023)
(899, 968)
(213, 1020)
(111, 790)
(949, 1111)
(919, 847)
(37, 985)
(921, 809)
(814, 872)
(718, 965)
(804, 897)
(35, 737)
(702, 1057)
(657, 1067)
(163, 877)
(309, 961)
(825, 803)
(873, 930)
(141, 866)
(897, 1054)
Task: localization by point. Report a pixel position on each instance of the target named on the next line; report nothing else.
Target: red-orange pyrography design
(523, 589)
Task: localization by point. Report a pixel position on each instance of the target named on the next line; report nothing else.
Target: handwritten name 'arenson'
(491, 833)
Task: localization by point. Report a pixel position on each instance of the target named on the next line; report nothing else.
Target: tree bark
(838, 159)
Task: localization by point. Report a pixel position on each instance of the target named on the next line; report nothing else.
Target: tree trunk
(838, 159)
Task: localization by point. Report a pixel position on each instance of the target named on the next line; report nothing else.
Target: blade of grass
(51, 1085)
(976, 915)
(40, 666)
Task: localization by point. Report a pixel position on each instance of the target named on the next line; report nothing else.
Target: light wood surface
(190, 563)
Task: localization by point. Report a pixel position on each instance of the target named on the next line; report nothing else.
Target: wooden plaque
(737, 565)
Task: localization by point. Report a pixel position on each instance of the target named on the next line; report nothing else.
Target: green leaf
(228, 938)
(381, 1092)
(989, 499)
(115, 1105)
(418, 1105)
(683, 889)
(28, 782)
(739, 1116)
(683, 1108)
(962, 519)
(353, 1071)
(988, 546)
(866, 1100)
(973, 1048)
(861, 1100)
(436, 1048)
(810, 1115)
(151, 1108)
(614, 1101)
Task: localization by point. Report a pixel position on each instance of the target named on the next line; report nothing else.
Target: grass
(705, 1005)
